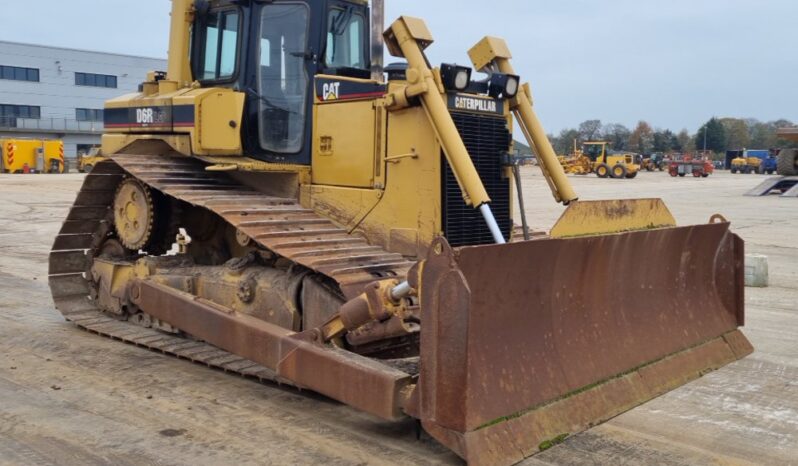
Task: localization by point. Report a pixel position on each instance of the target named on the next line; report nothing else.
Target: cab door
(347, 125)
(344, 132)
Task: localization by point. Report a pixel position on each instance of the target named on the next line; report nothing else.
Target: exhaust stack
(377, 40)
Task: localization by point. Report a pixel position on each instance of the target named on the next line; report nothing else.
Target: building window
(95, 80)
(17, 73)
(88, 114)
(20, 111)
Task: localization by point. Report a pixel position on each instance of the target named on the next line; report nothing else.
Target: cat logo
(330, 91)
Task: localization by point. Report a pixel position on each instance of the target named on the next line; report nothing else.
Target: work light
(455, 78)
(505, 85)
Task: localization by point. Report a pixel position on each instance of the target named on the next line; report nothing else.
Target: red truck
(699, 166)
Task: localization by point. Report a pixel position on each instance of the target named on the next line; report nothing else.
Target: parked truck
(753, 161)
(699, 165)
(788, 158)
(32, 156)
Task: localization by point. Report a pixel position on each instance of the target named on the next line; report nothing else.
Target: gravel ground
(69, 397)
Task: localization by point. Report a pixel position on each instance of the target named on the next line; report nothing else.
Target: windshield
(346, 35)
(283, 78)
(593, 150)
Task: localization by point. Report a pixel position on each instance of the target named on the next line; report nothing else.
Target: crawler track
(278, 224)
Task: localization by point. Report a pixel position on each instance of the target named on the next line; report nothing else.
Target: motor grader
(608, 163)
(273, 206)
(576, 163)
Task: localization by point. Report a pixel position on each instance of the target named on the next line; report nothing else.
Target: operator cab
(595, 152)
(272, 51)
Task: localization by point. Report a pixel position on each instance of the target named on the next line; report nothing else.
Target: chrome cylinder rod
(404, 289)
(487, 214)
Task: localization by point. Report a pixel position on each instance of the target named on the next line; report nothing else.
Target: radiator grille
(487, 140)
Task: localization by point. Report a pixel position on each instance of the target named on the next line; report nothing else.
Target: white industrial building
(58, 93)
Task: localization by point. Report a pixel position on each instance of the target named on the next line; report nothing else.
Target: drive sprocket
(134, 214)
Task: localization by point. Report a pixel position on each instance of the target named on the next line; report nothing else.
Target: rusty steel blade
(526, 341)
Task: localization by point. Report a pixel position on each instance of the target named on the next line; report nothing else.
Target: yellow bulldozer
(273, 205)
(86, 162)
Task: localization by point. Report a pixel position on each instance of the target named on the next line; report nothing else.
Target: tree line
(717, 135)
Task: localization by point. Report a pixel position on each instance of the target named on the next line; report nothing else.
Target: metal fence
(58, 125)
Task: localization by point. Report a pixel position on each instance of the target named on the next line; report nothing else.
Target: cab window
(283, 76)
(346, 39)
(220, 46)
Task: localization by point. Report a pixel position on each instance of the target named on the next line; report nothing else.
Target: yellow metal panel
(219, 124)
(487, 50)
(19, 152)
(589, 218)
(409, 29)
(123, 101)
(418, 29)
(345, 206)
(54, 150)
(412, 199)
(406, 216)
(141, 100)
(343, 144)
(115, 143)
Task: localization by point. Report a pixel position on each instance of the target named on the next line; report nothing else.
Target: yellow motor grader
(596, 157)
(576, 163)
(607, 163)
(273, 205)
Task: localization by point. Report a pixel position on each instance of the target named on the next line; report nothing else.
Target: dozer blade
(527, 342)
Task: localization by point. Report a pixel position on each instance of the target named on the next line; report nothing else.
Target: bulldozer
(86, 162)
(279, 204)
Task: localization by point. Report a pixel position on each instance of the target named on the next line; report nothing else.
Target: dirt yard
(70, 397)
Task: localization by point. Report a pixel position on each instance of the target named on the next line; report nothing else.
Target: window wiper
(268, 102)
(309, 55)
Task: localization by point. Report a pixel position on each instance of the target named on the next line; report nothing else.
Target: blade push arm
(492, 54)
(407, 37)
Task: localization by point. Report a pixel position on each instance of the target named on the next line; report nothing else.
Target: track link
(281, 225)
(278, 224)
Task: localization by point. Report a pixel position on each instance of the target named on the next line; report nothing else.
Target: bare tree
(642, 138)
(617, 135)
(686, 142)
(590, 130)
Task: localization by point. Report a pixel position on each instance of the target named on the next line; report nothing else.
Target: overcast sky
(674, 63)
